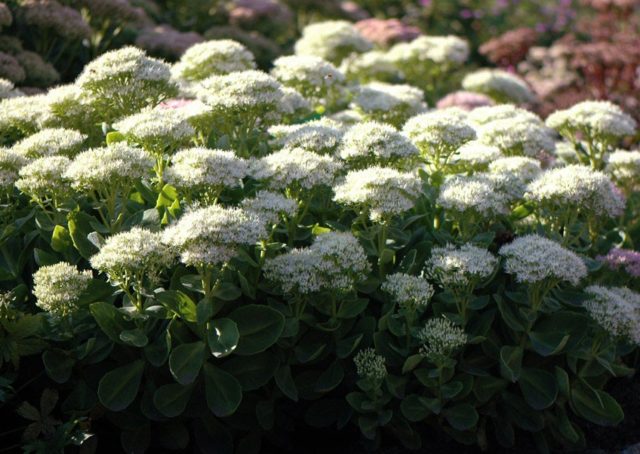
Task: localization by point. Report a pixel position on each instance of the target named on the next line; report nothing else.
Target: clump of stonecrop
(198, 236)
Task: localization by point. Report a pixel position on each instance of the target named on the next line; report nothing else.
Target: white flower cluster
(212, 235)
(156, 128)
(20, 116)
(428, 50)
(204, 59)
(387, 103)
(58, 287)
(616, 309)
(500, 85)
(44, 177)
(201, 168)
(241, 93)
(270, 206)
(132, 253)
(335, 261)
(380, 191)
(8, 90)
(49, 142)
(475, 155)
(295, 167)
(369, 66)
(371, 142)
(312, 76)
(117, 165)
(479, 193)
(439, 133)
(579, 188)
(517, 136)
(460, 266)
(410, 292)
(10, 165)
(370, 365)
(440, 337)
(331, 40)
(319, 136)
(532, 259)
(624, 166)
(487, 114)
(512, 174)
(293, 104)
(593, 118)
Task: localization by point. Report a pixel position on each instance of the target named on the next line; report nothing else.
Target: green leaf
(596, 406)
(134, 337)
(413, 408)
(118, 388)
(58, 365)
(254, 373)
(538, 387)
(110, 320)
(179, 303)
(548, 343)
(511, 362)
(79, 227)
(222, 390)
(227, 292)
(185, 361)
(285, 382)
(223, 336)
(157, 352)
(172, 399)
(461, 417)
(60, 239)
(259, 326)
(115, 136)
(485, 388)
(350, 309)
(412, 362)
(330, 378)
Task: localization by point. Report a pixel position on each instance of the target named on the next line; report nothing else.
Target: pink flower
(386, 31)
(465, 100)
(625, 259)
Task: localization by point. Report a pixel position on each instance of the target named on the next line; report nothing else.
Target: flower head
(58, 288)
(206, 59)
(441, 338)
(616, 309)
(50, 142)
(370, 365)
(313, 77)
(44, 177)
(270, 206)
(532, 259)
(319, 136)
(409, 292)
(500, 85)
(156, 129)
(371, 142)
(331, 40)
(593, 118)
(10, 164)
(460, 266)
(387, 103)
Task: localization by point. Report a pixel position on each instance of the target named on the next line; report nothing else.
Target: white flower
(20, 116)
(616, 309)
(312, 76)
(8, 90)
(10, 165)
(408, 291)
(487, 114)
(532, 259)
(331, 40)
(369, 66)
(205, 59)
(241, 93)
(370, 365)
(499, 85)
(49, 142)
(440, 337)
(579, 188)
(270, 206)
(116, 165)
(68, 106)
(477, 193)
(58, 287)
(517, 136)
(375, 143)
(475, 155)
(295, 167)
(319, 136)
(381, 191)
(441, 50)
(460, 266)
(388, 103)
(133, 253)
(624, 165)
(593, 118)
(213, 234)
(156, 128)
(439, 133)
(512, 174)
(335, 261)
(201, 168)
(44, 177)
(293, 104)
